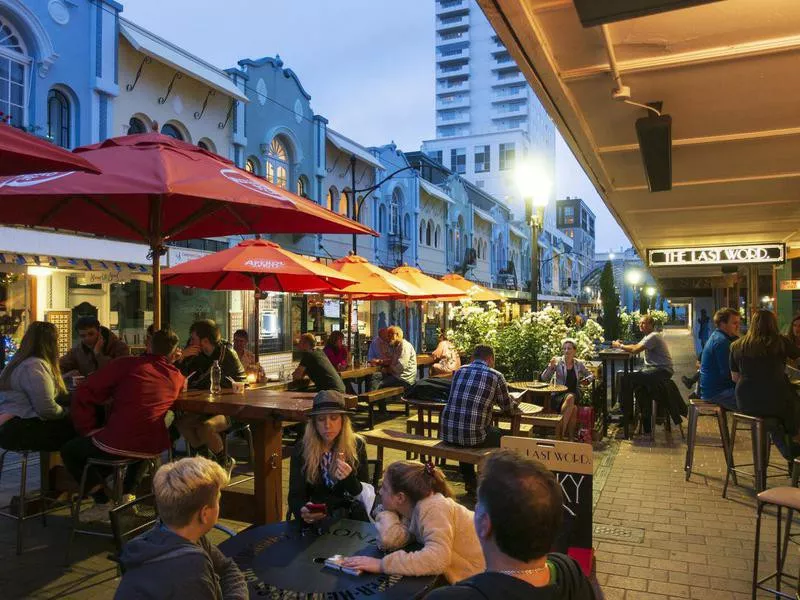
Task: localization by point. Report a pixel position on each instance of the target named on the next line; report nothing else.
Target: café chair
(780, 498)
(20, 515)
(118, 467)
(702, 408)
(247, 433)
(761, 450)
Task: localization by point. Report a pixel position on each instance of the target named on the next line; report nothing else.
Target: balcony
(445, 86)
(515, 109)
(450, 71)
(446, 56)
(398, 243)
(512, 92)
(453, 37)
(452, 101)
(445, 24)
(507, 77)
(447, 7)
(503, 61)
(456, 117)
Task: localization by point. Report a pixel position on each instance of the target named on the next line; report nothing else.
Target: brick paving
(657, 536)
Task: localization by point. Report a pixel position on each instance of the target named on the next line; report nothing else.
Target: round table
(284, 560)
(540, 388)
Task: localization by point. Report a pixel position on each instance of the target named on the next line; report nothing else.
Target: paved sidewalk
(656, 535)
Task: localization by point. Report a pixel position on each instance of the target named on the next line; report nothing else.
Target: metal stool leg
(692, 435)
(731, 463)
(760, 455)
(653, 413)
(22, 500)
(778, 546)
(76, 510)
(759, 510)
(725, 435)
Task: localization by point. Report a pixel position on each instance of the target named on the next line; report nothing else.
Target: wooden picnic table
(427, 408)
(540, 388)
(265, 410)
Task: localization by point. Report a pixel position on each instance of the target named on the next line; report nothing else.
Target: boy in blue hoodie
(174, 559)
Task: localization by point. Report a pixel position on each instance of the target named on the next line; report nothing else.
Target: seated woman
(446, 357)
(418, 506)
(569, 371)
(329, 464)
(30, 385)
(794, 337)
(336, 351)
(757, 362)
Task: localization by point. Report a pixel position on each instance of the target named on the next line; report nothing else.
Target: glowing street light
(534, 185)
(650, 291)
(634, 277)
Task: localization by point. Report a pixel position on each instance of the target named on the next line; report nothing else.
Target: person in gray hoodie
(174, 559)
(30, 387)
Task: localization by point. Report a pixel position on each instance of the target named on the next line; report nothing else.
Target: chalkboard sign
(571, 462)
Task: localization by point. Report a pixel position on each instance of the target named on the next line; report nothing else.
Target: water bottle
(216, 378)
(553, 379)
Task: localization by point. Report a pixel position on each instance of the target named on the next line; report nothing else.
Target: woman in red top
(336, 351)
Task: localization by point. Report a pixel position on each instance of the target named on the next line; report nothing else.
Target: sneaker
(127, 498)
(98, 513)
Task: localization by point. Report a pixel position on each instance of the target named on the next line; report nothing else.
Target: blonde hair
(417, 480)
(395, 330)
(184, 487)
(40, 341)
(314, 448)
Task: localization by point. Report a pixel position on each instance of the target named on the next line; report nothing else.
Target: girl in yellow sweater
(418, 506)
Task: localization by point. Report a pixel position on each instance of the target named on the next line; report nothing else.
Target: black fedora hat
(328, 402)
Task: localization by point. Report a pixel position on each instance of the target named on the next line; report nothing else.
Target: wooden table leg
(267, 471)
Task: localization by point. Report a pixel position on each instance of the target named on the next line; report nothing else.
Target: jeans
(726, 399)
(492, 440)
(647, 378)
(75, 455)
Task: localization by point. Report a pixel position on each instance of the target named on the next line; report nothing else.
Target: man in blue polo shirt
(716, 384)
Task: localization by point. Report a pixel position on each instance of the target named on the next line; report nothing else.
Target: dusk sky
(368, 65)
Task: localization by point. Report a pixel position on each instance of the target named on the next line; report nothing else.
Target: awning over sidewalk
(76, 264)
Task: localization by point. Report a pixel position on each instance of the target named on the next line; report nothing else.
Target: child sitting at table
(174, 559)
(418, 506)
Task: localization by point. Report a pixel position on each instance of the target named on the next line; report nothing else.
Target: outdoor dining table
(540, 388)
(609, 357)
(427, 408)
(285, 560)
(264, 410)
(424, 360)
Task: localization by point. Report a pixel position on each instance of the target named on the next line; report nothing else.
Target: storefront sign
(91, 277)
(790, 285)
(177, 256)
(717, 255)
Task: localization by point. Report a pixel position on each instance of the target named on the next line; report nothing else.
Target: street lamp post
(634, 278)
(534, 185)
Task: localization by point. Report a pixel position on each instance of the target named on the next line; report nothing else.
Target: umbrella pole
(350, 323)
(256, 301)
(156, 249)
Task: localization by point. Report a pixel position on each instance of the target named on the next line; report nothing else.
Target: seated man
(467, 417)
(379, 352)
(241, 340)
(174, 559)
(716, 384)
(315, 364)
(657, 366)
(517, 519)
(205, 347)
(96, 348)
(402, 367)
(138, 391)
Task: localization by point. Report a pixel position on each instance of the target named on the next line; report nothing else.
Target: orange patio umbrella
(374, 283)
(259, 265)
(476, 292)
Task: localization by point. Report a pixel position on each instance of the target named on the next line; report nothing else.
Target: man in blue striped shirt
(467, 417)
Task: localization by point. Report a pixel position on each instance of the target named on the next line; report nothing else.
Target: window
(507, 152)
(13, 61)
(333, 197)
(277, 163)
(361, 209)
(394, 210)
(482, 159)
(407, 227)
(301, 186)
(421, 230)
(203, 145)
(458, 160)
(381, 218)
(172, 131)
(428, 234)
(251, 166)
(436, 155)
(437, 236)
(136, 125)
(344, 201)
(58, 118)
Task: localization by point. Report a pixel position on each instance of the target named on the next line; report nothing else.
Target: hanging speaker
(655, 145)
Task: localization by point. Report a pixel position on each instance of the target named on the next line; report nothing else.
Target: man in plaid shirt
(467, 417)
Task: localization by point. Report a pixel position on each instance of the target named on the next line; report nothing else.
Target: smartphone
(317, 508)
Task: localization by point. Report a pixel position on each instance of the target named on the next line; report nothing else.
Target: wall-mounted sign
(790, 285)
(717, 255)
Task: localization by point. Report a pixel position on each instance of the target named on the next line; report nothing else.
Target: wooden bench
(370, 398)
(423, 446)
(430, 422)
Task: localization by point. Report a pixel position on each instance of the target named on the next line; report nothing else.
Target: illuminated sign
(717, 255)
(790, 285)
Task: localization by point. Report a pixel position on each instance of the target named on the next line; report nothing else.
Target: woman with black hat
(328, 465)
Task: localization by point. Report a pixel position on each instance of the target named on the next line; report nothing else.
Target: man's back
(715, 372)
(404, 362)
(321, 371)
(466, 416)
(656, 352)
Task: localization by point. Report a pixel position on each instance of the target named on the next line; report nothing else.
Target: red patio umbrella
(22, 153)
(257, 265)
(154, 188)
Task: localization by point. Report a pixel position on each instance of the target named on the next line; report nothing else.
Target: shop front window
(131, 312)
(13, 316)
(187, 305)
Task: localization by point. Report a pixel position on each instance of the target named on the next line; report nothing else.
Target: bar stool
(702, 408)
(779, 497)
(118, 466)
(244, 429)
(20, 517)
(761, 447)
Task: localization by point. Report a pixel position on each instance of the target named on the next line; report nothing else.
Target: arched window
(13, 66)
(252, 166)
(302, 186)
(277, 163)
(344, 202)
(333, 197)
(58, 118)
(421, 230)
(208, 145)
(136, 125)
(382, 219)
(428, 234)
(437, 236)
(407, 227)
(452, 249)
(394, 210)
(172, 131)
(477, 247)
(361, 209)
